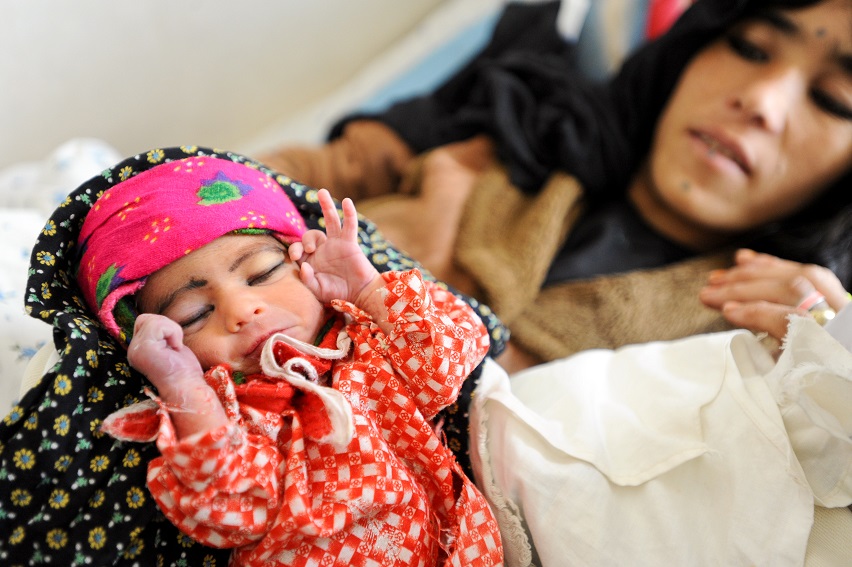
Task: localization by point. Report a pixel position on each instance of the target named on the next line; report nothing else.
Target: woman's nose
(769, 97)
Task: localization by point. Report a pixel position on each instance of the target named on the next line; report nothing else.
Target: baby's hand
(332, 264)
(158, 352)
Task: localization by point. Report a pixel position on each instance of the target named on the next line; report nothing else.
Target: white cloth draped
(702, 451)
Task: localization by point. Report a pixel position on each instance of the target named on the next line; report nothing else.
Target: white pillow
(20, 335)
(697, 451)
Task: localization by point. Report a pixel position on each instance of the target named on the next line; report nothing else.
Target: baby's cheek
(203, 353)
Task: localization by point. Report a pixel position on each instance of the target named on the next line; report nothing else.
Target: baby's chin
(246, 366)
(249, 367)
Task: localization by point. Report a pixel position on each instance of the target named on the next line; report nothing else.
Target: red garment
(294, 486)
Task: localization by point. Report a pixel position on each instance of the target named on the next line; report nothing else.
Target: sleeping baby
(296, 386)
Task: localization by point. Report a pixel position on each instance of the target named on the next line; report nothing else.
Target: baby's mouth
(256, 349)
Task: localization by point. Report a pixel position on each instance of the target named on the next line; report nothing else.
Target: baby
(296, 384)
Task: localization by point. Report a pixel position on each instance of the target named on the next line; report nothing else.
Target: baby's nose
(240, 312)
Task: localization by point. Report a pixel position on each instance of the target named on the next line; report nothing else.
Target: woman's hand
(761, 291)
(332, 264)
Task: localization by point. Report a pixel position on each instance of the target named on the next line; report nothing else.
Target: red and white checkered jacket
(330, 457)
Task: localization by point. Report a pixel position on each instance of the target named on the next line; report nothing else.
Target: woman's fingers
(761, 291)
(784, 290)
(758, 276)
(759, 316)
(766, 265)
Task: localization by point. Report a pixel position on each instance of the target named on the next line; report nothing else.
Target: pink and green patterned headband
(158, 216)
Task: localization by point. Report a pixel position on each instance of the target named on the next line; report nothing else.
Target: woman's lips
(724, 146)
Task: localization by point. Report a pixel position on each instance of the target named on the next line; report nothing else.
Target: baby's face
(232, 295)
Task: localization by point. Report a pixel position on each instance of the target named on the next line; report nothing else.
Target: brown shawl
(510, 264)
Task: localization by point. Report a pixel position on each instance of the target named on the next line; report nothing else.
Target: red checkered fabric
(394, 496)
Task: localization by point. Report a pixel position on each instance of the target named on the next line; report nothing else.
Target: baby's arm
(157, 350)
(435, 327)
(437, 340)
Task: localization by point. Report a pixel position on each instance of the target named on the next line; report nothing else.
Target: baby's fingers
(329, 213)
(306, 274)
(311, 240)
(156, 347)
(158, 330)
(295, 251)
(350, 220)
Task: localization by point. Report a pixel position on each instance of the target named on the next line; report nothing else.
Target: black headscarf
(70, 495)
(525, 90)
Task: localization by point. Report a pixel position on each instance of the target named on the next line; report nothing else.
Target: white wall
(146, 73)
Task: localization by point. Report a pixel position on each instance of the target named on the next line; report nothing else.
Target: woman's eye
(266, 275)
(831, 105)
(746, 49)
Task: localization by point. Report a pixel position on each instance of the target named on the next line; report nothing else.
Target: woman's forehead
(823, 31)
(826, 20)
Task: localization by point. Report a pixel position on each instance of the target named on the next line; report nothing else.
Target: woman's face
(759, 123)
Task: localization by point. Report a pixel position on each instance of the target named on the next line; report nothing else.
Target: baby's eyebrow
(193, 283)
(253, 252)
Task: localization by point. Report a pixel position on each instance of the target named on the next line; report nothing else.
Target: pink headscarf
(160, 215)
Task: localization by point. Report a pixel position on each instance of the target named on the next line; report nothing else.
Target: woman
(588, 215)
